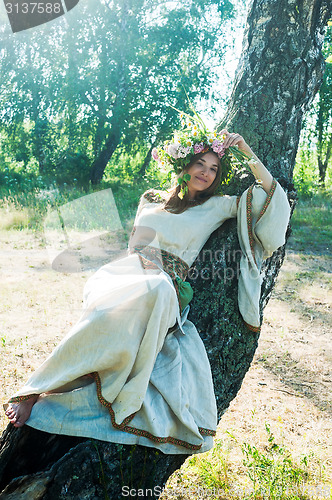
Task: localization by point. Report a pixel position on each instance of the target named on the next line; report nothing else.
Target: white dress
(152, 387)
(150, 384)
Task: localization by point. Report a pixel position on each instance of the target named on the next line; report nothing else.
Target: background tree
(315, 149)
(280, 71)
(323, 111)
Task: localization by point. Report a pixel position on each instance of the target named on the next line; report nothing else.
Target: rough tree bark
(279, 73)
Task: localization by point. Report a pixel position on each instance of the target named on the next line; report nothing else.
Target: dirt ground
(288, 385)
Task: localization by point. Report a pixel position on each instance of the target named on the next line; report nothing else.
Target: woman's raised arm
(257, 167)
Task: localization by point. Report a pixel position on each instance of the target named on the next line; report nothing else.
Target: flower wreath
(194, 137)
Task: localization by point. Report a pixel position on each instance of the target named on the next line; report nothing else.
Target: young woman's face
(203, 172)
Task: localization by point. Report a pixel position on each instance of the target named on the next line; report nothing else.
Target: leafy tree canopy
(103, 76)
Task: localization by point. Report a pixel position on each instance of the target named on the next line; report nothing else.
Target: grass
(312, 224)
(266, 471)
(28, 210)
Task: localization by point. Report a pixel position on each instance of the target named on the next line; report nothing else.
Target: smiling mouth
(201, 179)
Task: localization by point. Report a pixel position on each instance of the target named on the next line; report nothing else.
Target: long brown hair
(175, 205)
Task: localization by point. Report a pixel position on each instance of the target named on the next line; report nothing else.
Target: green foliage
(74, 92)
(273, 474)
(212, 468)
(306, 175)
(72, 168)
(312, 224)
(317, 129)
(127, 166)
(268, 472)
(27, 209)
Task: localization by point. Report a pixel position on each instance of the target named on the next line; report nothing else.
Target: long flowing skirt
(147, 384)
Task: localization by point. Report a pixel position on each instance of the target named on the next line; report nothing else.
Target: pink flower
(154, 154)
(218, 147)
(198, 148)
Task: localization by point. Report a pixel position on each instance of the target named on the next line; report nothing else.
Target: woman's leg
(18, 413)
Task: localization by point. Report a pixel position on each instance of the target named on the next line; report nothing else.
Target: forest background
(83, 101)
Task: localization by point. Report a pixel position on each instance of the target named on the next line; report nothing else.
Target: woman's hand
(233, 139)
(258, 169)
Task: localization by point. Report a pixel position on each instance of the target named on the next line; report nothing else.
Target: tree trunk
(100, 163)
(146, 162)
(279, 73)
(112, 141)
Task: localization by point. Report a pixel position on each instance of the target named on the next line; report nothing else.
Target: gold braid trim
(124, 425)
(140, 432)
(262, 212)
(268, 199)
(249, 221)
(255, 329)
(19, 399)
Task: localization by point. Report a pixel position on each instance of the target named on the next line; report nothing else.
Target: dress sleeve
(262, 222)
(146, 198)
(227, 207)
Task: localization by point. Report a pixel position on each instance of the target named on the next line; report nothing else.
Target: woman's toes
(10, 413)
(19, 413)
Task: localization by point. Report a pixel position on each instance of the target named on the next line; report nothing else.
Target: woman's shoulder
(154, 195)
(226, 203)
(221, 199)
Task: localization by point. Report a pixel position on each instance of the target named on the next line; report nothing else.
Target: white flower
(183, 151)
(172, 150)
(252, 162)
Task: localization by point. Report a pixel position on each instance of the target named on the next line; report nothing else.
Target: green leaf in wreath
(187, 177)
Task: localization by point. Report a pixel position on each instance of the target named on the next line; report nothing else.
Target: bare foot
(18, 413)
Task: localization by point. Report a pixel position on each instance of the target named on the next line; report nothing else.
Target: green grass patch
(268, 472)
(312, 224)
(29, 209)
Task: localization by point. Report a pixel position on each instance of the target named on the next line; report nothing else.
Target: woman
(152, 379)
